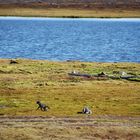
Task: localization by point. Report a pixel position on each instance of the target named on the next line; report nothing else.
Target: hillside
(82, 3)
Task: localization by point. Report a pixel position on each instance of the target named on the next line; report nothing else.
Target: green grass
(22, 84)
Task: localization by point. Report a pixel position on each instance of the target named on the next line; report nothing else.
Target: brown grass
(56, 131)
(69, 12)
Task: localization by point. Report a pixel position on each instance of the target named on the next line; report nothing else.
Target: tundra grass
(70, 12)
(27, 81)
(49, 131)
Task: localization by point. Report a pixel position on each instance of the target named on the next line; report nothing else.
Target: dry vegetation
(70, 12)
(65, 131)
(25, 81)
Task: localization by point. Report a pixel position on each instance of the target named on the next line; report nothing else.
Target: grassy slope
(23, 83)
(69, 12)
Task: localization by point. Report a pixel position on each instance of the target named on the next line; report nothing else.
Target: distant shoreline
(70, 12)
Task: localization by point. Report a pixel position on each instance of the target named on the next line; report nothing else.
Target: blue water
(102, 40)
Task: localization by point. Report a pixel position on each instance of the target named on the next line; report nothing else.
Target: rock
(13, 61)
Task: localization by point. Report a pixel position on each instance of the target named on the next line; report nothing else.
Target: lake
(61, 39)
